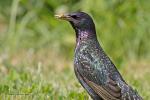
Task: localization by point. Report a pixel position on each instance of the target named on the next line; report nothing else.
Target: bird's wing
(110, 92)
(96, 76)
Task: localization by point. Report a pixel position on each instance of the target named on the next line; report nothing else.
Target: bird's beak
(63, 17)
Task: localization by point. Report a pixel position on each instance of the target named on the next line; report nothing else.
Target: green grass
(36, 50)
(23, 80)
(33, 79)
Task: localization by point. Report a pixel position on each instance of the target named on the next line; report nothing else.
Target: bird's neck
(85, 35)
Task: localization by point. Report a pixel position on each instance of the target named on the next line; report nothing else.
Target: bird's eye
(74, 16)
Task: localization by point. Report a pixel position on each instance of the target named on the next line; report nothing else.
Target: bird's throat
(85, 35)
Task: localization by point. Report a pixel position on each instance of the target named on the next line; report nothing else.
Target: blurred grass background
(36, 50)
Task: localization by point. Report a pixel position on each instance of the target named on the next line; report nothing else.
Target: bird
(93, 68)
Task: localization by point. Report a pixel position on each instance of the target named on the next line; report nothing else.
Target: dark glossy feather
(99, 73)
(93, 68)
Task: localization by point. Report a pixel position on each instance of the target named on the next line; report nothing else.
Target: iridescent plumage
(93, 68)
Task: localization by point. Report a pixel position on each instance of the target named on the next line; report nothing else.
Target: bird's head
(80, 21)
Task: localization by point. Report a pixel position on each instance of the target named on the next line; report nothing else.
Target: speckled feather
(93, 68)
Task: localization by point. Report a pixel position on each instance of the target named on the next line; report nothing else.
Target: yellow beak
(63, 16)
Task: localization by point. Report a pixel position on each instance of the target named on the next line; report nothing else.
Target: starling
(93, 68)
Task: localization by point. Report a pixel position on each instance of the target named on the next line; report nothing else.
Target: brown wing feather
(107, 93)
